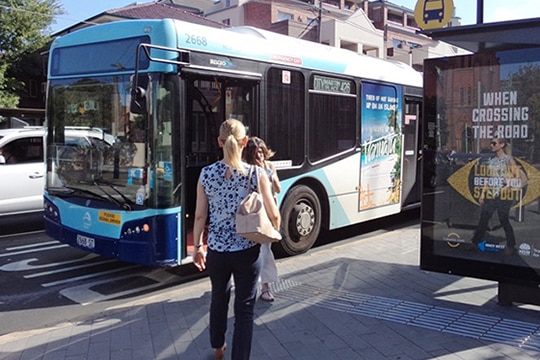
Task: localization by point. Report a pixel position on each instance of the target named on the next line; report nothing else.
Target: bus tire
(301, 220)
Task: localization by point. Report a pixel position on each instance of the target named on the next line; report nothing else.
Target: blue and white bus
(345, 128)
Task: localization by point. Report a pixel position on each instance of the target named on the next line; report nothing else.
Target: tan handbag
(252, 222)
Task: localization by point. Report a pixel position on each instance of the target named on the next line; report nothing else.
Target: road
(19, 224)
(361, 297)
(44, 282)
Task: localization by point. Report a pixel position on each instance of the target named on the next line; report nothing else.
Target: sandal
(267, 296)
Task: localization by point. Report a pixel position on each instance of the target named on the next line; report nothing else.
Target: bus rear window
(102, 57)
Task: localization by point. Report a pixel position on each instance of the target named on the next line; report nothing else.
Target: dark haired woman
(257, 153)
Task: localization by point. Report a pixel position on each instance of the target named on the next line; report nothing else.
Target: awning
(491, 36)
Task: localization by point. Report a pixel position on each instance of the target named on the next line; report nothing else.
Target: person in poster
(502, 181)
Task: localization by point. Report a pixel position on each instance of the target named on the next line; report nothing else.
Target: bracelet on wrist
(197, 247)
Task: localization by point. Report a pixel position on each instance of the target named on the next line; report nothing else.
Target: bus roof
(248, 43)
(329, 58)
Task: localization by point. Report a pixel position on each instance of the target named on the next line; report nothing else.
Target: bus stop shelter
(472, 104)
(490, 36)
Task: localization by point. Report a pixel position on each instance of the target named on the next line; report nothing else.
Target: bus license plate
(86, 242)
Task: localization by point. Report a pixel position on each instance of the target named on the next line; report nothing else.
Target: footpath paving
(364, 298)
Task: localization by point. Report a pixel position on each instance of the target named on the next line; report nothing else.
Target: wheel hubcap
(305, 219)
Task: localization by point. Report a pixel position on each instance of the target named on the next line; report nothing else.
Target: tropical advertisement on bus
(380, 175)
(481, 161)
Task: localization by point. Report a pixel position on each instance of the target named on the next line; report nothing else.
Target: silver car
(22, 166)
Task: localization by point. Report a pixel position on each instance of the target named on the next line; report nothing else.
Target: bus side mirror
(138, 103)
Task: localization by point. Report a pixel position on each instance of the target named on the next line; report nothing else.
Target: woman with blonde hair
(221, 187)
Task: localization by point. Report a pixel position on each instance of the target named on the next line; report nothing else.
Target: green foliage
(8, 99)
(25, 30)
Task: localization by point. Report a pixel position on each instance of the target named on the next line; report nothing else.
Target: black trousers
(244, 267)
(502, 207)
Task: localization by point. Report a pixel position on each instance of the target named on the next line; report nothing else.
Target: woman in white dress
(257, 153)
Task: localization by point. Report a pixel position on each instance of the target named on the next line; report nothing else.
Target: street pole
(320, 21)
(479, 11)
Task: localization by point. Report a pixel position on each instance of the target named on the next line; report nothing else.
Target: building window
(32, 89)
(350, 5)
(226, 21)
(396, 18)
(284, 16)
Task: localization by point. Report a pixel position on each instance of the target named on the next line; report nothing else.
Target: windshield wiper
(128, 202)
(70, 191)
(124, 206)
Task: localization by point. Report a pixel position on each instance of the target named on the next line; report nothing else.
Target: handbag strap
(251, 168)
(257, 177)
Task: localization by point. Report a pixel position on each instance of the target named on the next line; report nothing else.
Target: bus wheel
(301, 220)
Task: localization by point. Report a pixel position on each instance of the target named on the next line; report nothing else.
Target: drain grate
(482, 327)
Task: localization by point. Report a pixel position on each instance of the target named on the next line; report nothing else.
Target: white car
(22, 166)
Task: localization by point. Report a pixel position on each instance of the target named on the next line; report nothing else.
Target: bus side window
(333, 114)
(285, 114)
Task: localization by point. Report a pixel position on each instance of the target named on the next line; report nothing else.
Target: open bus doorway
(210, 100)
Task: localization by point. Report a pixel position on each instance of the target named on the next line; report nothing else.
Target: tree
(25, 30)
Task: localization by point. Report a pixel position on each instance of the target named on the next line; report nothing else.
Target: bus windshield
(98, 150)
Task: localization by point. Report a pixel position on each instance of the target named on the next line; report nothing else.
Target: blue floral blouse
(224, 197)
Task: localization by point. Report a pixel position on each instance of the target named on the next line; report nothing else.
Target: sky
(494, 10)
(79, 10)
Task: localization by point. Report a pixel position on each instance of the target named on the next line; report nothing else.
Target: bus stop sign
(433, 14)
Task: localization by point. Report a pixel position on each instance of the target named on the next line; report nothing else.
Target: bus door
(411, 153)
(210, 100)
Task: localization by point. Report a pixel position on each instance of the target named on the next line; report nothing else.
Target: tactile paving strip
(488, 328)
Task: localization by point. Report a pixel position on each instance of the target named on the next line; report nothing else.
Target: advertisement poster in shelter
(481, 161)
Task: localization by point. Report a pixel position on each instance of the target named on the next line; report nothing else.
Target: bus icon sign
(431, 14)
(433, 10)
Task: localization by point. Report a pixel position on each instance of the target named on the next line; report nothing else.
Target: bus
(345, 128)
